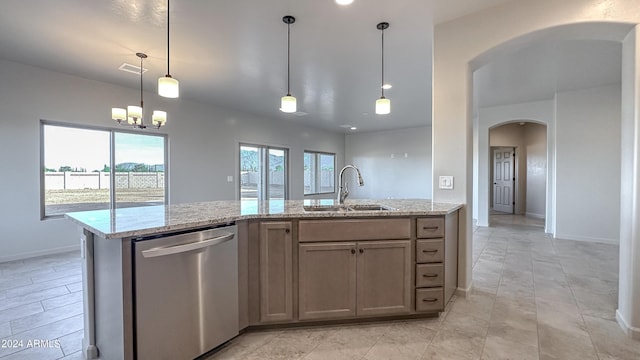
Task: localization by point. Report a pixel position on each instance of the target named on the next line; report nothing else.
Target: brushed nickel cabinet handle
(430, 275)
(430, 251)
(430, 300)
(430, 228)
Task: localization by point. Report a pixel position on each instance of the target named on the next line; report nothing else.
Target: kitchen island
(295, 262)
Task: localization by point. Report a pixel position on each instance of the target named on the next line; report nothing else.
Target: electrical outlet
(230, 178)
(446, 182)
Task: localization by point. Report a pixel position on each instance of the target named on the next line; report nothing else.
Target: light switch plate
(446, 182)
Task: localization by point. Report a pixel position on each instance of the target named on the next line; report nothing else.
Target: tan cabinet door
(327, 280)
(384, 277)
(276, 271)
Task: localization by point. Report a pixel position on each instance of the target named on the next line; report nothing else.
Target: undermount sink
(326, 208)
(369, 207)
(363, 207)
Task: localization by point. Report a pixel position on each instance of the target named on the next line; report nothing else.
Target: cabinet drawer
(429, 275)
(430, 227)
(429, 299)
(356, 229)
(429, 251)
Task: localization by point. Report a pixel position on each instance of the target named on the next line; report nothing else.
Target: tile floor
(534, 297)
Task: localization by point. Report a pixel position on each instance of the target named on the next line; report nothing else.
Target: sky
(89, 149)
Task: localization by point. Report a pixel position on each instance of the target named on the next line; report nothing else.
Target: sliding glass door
(263, 172)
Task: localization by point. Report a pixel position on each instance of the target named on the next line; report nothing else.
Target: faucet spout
(343, 190)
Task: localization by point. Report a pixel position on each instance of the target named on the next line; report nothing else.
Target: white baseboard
(534, 215)
(587, 239)
(28, 255)
(462, 292)
(632, 332)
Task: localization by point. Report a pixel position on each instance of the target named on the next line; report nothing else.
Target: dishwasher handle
(177, 249)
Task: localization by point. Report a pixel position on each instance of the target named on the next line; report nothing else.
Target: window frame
(112, 132)
(318, 170)
(264, 154)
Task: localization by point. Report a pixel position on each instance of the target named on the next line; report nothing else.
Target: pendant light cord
(141, 98)
(288, 59)
(382, 67)
(168, 42)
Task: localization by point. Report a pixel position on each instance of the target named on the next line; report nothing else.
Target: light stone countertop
(149, 220)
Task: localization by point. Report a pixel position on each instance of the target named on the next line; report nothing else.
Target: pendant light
(134, 114)
(288, 102)
(167, 86)
(383, 105)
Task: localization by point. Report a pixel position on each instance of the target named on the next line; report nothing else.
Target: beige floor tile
(610, 340)
(291, 344)
(243, 345)
(501, 348)
(565, 344)
(452, 345)
(406, 340)
(478, 302)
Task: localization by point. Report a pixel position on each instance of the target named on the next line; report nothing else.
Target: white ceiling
(232, 53)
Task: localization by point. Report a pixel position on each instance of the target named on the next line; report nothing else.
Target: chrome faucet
(343, 190)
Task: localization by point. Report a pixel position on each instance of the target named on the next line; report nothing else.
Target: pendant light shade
(119, 114)
(383, 105)
(134, 113)
(168, 86)
(159, 118)
(288, 103)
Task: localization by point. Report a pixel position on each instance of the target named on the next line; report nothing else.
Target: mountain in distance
(139, 167)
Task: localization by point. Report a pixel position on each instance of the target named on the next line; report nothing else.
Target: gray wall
(588, 164)
(394, 164)
(203, 148)
(536, 149)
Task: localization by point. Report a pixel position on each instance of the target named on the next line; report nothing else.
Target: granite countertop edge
(152, 220)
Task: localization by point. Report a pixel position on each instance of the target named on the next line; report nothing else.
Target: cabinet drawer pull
(353, 251)
(287, 231)
(430, 251)
(430, 275)
(361, 251)
(430, 228)
(431, 300)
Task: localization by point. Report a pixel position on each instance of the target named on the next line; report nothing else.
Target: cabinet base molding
(377, 319)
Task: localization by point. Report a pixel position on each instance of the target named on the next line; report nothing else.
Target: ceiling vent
(134, 69)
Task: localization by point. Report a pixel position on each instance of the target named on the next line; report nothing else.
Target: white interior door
(503, 179)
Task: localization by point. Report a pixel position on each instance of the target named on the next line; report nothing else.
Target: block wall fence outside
(101, 180)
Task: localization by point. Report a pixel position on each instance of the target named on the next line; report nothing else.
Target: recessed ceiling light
(387, 86)
(353, 128)
(344, 2)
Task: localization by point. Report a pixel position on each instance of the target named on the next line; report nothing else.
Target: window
(263, 172)
(77, 172)
(319, 172)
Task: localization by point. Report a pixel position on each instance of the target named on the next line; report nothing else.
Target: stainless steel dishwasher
(186, 293)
